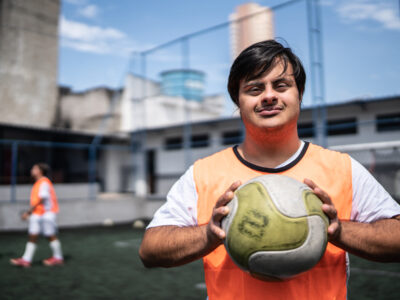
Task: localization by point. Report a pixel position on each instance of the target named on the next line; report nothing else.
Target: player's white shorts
(44, 224)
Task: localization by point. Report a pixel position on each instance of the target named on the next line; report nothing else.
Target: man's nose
(269, 96)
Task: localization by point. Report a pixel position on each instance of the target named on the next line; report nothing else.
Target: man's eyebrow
(285, 77)
(252, 82)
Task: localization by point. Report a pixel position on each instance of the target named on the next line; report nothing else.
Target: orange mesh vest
(327, 280)
(41, 209)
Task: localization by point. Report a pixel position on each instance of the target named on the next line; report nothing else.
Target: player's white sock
(30, 249)
(56, 248)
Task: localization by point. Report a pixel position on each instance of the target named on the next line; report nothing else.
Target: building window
(306, 130)
(388, 122)
(135, 146)
(232, 137)
(173, 143)
(200, 141)
(342, 127)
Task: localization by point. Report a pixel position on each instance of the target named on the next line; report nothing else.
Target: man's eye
(282, 85)
(254, 90)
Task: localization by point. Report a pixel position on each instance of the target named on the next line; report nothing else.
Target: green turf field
(102, 263)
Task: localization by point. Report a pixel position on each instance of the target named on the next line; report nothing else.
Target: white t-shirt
(44, 194)
(371, 202)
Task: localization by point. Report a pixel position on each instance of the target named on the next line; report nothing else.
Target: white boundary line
(374, 272)
(367, 146)
(128, 243)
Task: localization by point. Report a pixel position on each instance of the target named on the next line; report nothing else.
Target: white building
(144, 105)
(371, 127)
(140, 104)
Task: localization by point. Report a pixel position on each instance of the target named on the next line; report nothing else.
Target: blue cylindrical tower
(188, 84)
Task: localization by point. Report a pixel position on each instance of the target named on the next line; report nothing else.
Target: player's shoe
(20, 262)
(52, 261)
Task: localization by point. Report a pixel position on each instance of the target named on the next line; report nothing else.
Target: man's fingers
(228, 195)
(328, 208)
(215, 222)
(322, 195)
(221, 210)
(235, 185)
(224, 199)
(218, 231)
(310, 183)
(219, 213)
(330, 211)
(318, 191)
(333, 228)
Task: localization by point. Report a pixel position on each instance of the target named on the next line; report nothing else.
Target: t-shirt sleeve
(371, 202)
(44, 190)
(180, 209)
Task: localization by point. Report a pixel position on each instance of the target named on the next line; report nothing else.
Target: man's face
(271, 101)
(36, 172)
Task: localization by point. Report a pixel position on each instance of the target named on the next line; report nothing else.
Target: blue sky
(361, 42)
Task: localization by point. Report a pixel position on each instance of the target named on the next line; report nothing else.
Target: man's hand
(169, 246)
(25, 215)
(335, 227)
(378, 241)
(215, 234)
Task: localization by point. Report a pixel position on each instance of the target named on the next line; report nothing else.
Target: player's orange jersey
(224, 280)
(52, 204)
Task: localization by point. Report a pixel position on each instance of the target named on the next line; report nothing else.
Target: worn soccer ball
(276, 228)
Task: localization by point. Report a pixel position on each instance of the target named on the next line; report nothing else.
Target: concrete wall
(63, 191)
(78, 213)
(115, 169)
(86, 110)
(28, 61)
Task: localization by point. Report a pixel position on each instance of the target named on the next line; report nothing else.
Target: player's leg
(50, 231)
(30, 248)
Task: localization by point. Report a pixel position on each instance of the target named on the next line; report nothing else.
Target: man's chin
(270, 124)
(269, 128)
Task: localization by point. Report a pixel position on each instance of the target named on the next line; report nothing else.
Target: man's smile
(268, 110)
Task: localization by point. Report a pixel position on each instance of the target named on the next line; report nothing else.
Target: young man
(42, 219)
(267, 82)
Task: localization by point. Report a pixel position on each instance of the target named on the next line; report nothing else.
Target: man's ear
(238, 110)
(300, 98)
(237, 104)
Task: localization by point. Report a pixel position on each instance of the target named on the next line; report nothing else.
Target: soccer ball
(276, 228)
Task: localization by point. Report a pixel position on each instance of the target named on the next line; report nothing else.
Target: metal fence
(195, 67)
(81, 171)
(382, 160)
(77, 166)
(100, 167)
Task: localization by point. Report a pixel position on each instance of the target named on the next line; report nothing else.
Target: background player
(42, 219)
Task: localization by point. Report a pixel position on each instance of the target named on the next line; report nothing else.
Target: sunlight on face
(272, 100)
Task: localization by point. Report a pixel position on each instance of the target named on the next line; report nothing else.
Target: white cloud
(81, 31)
(358, 10)
(94, 39)
(89, 11)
